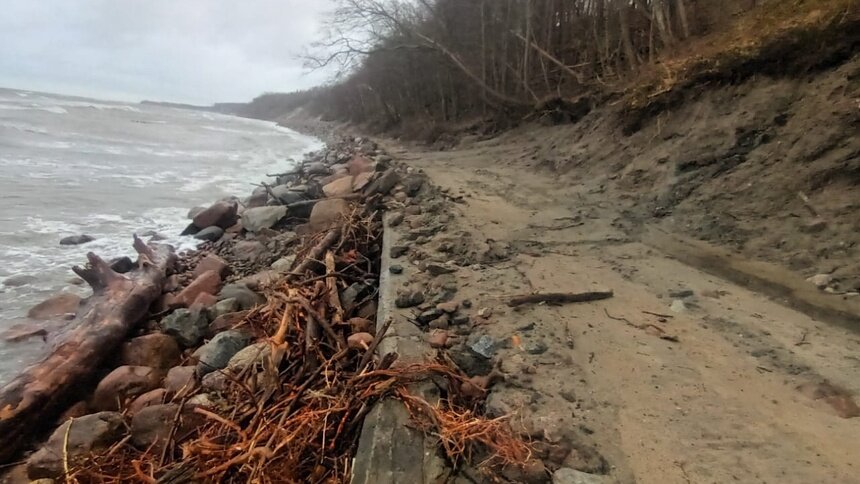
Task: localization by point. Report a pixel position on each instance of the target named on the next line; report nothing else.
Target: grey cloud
(198, 51)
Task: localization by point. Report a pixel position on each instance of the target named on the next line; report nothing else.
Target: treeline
(444, 61)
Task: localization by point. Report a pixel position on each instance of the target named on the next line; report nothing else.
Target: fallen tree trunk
(118, 303)
(559, 297)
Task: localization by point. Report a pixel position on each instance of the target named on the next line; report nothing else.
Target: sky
(192, 51)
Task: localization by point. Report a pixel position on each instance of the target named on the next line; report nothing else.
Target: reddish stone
(209, 282)
(339, 188)
(359, 164)
(327, 213)
(332, 178)
(180, 381)
(226, 321)
(438, 339)
(123, 384)
(26, 330)
(221, 214)
(154, 350)
(204, 300)
(57, 306)
(212, 263)
(361, 180)
(153, 397)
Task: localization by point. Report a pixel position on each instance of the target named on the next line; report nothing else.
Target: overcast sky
(195, 51)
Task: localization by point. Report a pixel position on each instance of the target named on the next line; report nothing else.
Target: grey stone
(76, 439)
(681, 293)
(536, 347)
(566, 475)
(412, 184)
(408, 298)
(19, 280)
(352, 293)
(222, 307)
(384, 183)
(250, 355)
(395, 269)
(215, 354)
(429, 315)
(76, 239)
(398, 251)
(211, 234)
(435, 269)
(396, 219)
(483, 345)
(284, 264)
(188, 327)
(246, 298)
(215, 381)
(122, 264)
(287, 195)
(256, 219)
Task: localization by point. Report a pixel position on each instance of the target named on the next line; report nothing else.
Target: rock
(122, 264)
(215, 381)
(361, 325)
(254, 354)
(215, 354)
(678, 306)
(211, 262)
(246, 298)
(225, 322)
(438, 338)
(429, 315)
(195, 211)
(401, 197)
(439, 323)
(287, 195)
(339, 188)
(249, 250)
(154, 350)
(395, 269)
(210, 234)
(151, 427)
(359, 164)
(19, 280)
(148, 399)
(76, 239)
(359, 341)
(535, 347)
(681, 293)
(398, 251)
(484, 346)
(435, 269)
(814, 226)
(316, 169)
(222, 214)
(208, 282)
(222, 307)
(361, 180)
(74, 441)
(180, 380)
(532, 472)
(204, 400)
(187, 326)
(59, 305)
(566, 475)
(327, 213)
(460, 319)
(448, 307)
(122, 384)
(384, 183)
(258, 198)
(412, 210)
(408, 298)
(821, 281)
(352, 294)
(396, 219)
(260, 280)
(203, 301)
(191, 229)
(23, 331)
(257, 219)
(412, 184)
(284, 264)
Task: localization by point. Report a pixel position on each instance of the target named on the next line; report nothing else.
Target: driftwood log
(104, 320)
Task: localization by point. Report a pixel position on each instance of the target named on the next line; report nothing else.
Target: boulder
(19, 280)
(256, 219)
(57, 306)
(74, 441)
(215, 354)
(339, 188)
(122, 384)
(249, 250)
(180, 381)
(254, 354)
(210, 234)
(359, 164)
(384, 183)
(246, 298)
(222, 214)
(187, 326)
(258, 198)
(212, 262)
(76, 239)
(209, 282)
(148, 399)
(327, 213)
(287, 195)
(122, 264)
(151, 427)
(154, 350)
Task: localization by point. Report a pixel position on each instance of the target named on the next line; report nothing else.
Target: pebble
(396, 269)
(678, 306)
(398, 251)
(408, 298)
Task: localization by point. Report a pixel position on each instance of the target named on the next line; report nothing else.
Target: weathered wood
(560, 297)
(118, 303)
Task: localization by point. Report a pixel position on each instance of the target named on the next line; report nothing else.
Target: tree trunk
(119, 302)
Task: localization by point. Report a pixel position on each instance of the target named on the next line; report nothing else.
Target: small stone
(246, 298)
(460, 319)
(395, 219)
(681, 293)
(76, 239)
(180, 381)
(215, 354)
(485, 312)
(396, 269)
(148, 399)
(359, 341)
(208, 282)
(678, 306)
(211, 262)
(187, 326)
(254, 354)
(536, 348)
(397, 251)
(429, 315)
(257, 219)
(820, 280)
(439, 323)
(484, 346)
(122, 264)
(154, 350)
(438, 339)
(360, 325)
(435, 269)
(412, 210)
(401, 197)
(284, 264)
(566, 475)
(215, 381)
(225, 322)
(222, 307)
(151, 427)
(814, 226)
(124, 383)
(448, 307)
(210, 234)
(408, 298)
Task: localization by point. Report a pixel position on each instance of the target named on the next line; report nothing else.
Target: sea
(71, 166)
